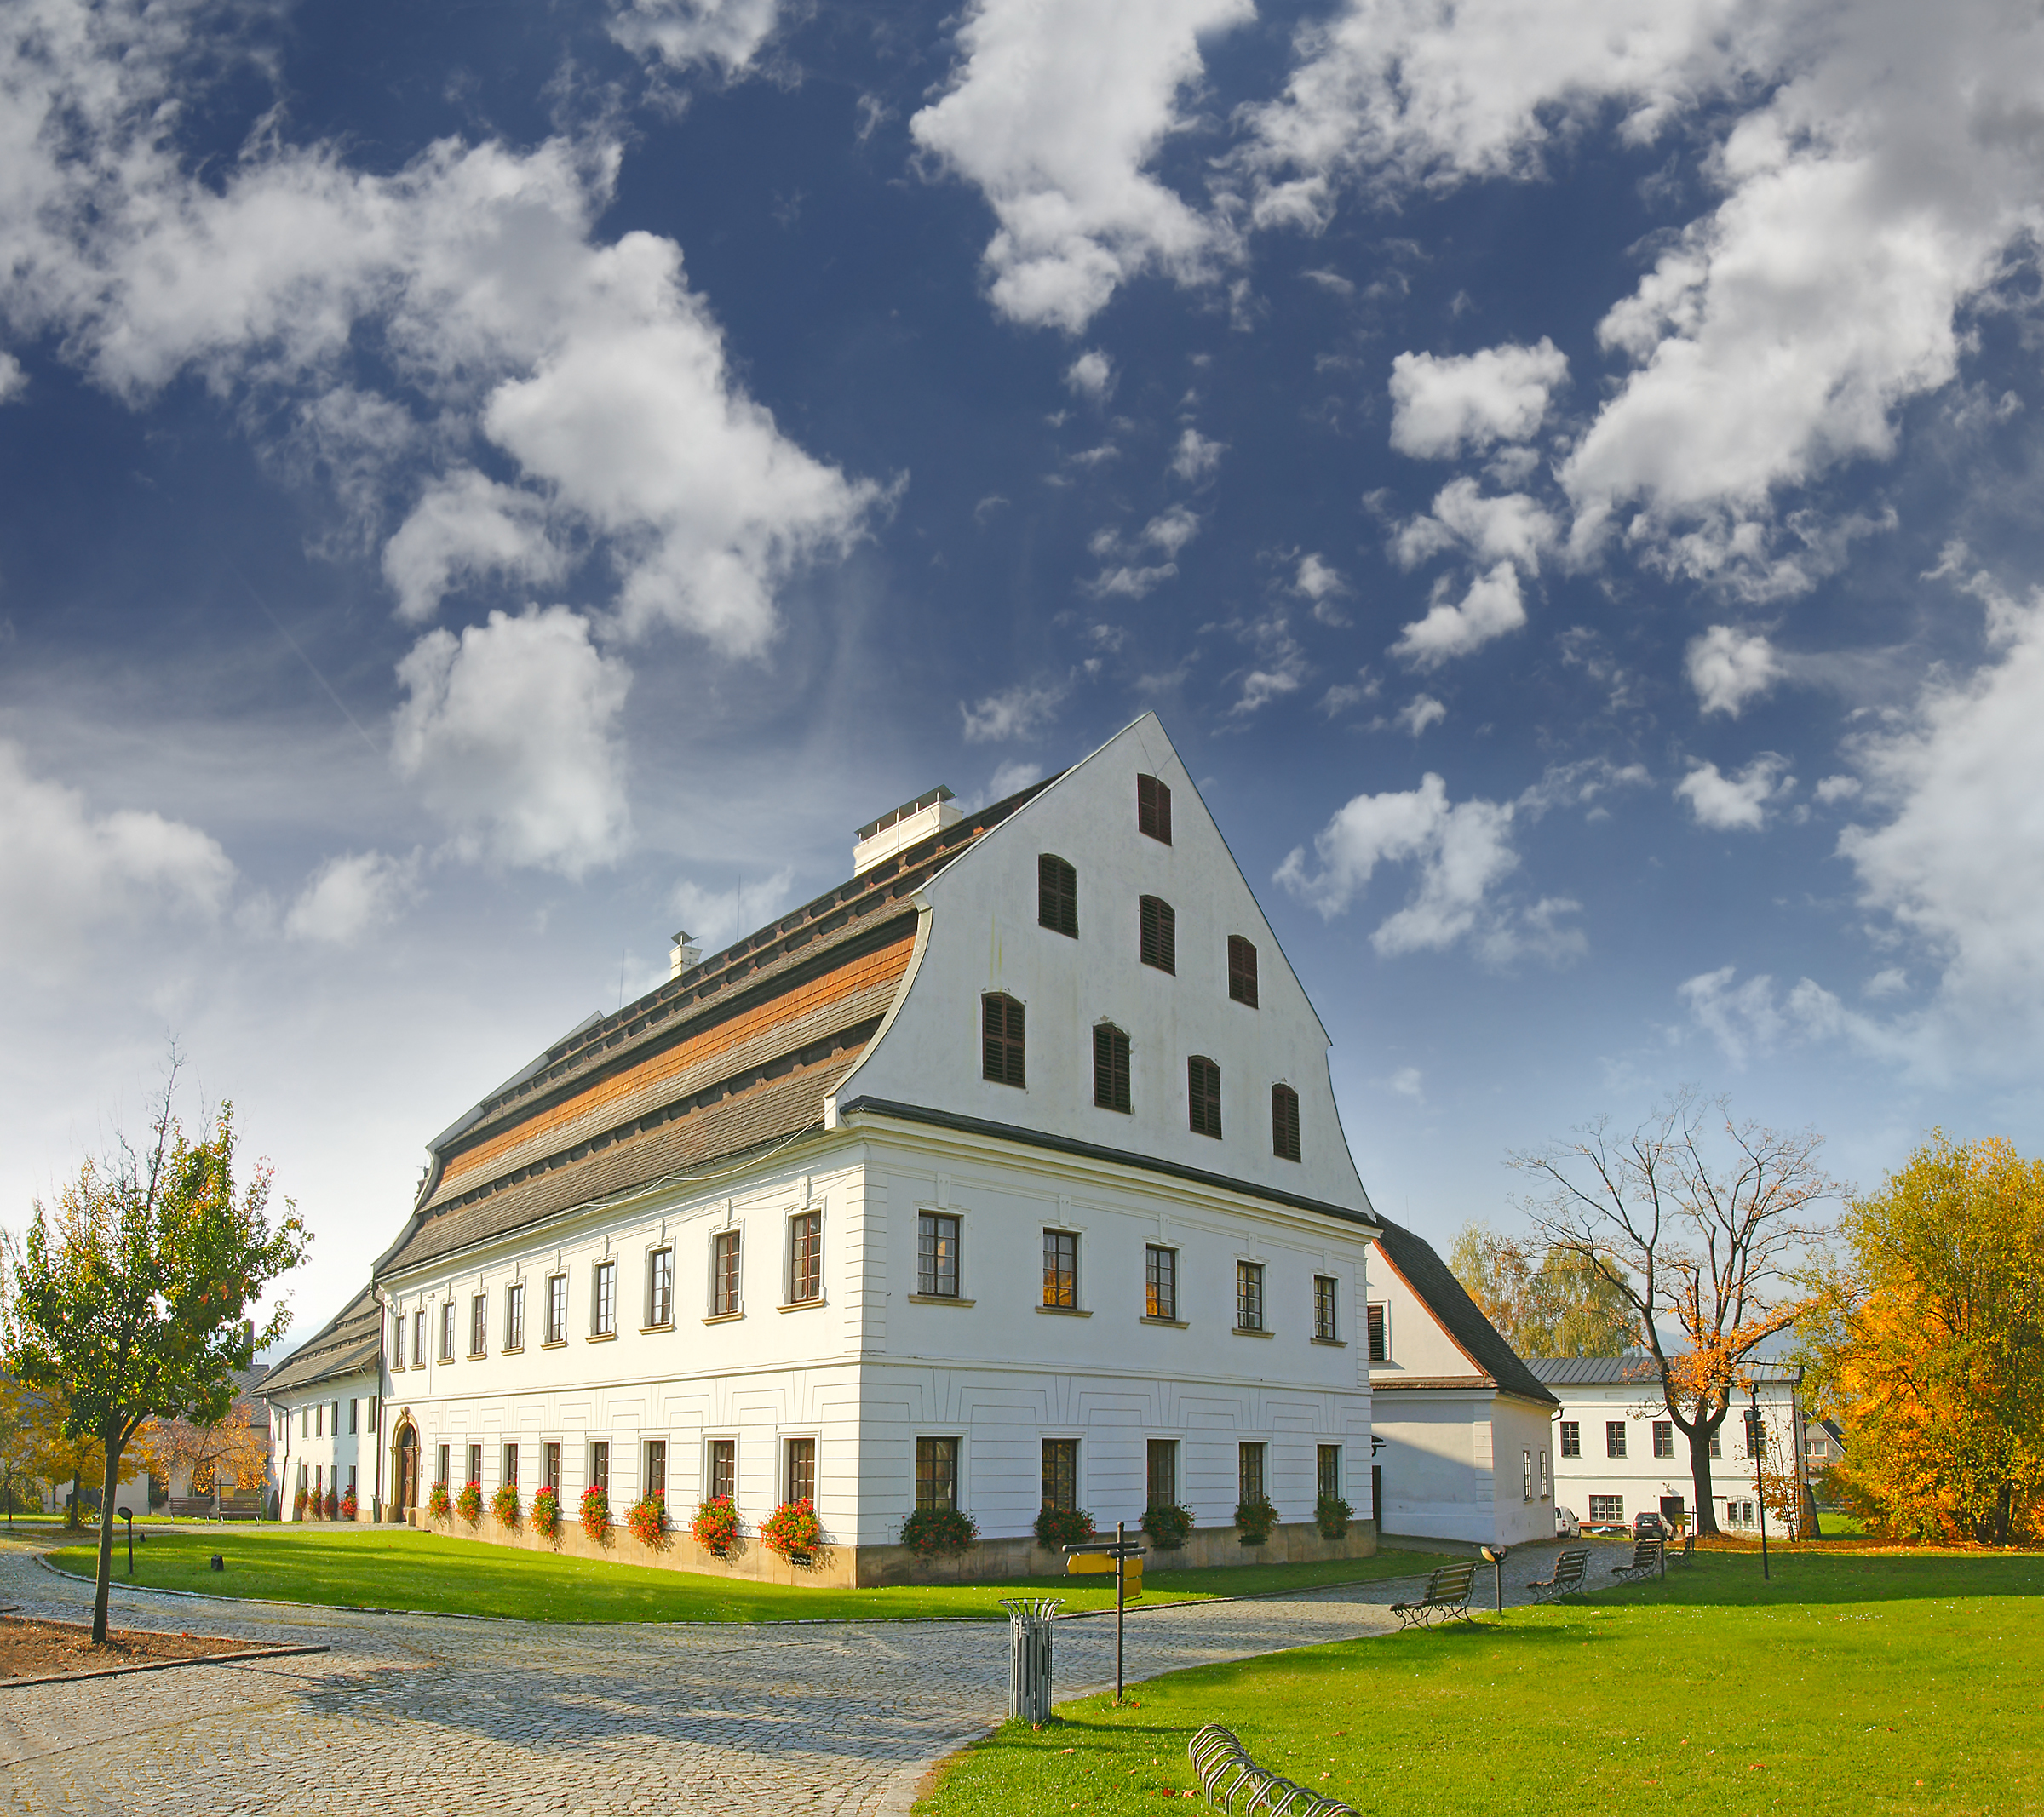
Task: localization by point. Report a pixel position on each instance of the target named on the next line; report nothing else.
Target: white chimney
(911, 821)
(682, 955)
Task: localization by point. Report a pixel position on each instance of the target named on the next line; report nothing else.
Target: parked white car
(1566, 1525)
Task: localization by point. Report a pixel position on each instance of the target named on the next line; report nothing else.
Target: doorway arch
(404, 1475)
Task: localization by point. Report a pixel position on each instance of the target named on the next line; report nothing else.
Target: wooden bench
(1648, 1555)
(1689, 1549)
(1568, 1571)
(1446, 1595)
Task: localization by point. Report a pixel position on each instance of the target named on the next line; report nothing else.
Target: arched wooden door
(408, 1465)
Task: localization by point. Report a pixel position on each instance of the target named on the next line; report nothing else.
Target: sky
(485, 486)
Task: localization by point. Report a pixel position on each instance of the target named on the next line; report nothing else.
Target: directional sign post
(1121, 1552)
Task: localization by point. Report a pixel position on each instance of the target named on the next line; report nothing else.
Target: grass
(394, 1567)
(1850, 1684)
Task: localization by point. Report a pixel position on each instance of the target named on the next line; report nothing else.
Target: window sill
(1176, 1324)
(602, 1337)
(801, 1305)
(646, 1330)
(1065, 1312)
(418, 1366)
(554, 1343)
(1253, 1331)
(477, 1356)
(938, 1300)
(1339, 1343)
(513, 1349)
(722, 1318)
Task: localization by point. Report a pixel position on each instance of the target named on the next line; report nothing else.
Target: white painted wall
(310, 1434)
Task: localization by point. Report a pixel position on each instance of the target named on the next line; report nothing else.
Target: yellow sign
(1094, 1564)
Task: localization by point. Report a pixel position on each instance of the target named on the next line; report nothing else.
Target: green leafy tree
(1549, 1303)
(24, 1440)
(130, 1296)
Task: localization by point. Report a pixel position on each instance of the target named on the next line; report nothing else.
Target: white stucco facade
(322, 1440)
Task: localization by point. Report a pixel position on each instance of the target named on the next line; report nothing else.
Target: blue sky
(486, 487)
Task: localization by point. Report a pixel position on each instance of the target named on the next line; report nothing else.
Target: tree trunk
(1706, 1525)
(71, 1513)
(105, 1574)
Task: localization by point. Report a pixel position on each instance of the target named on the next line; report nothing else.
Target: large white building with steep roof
(1008, 1173)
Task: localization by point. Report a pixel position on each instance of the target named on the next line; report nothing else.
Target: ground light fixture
(1760, 1480)
(1496, 1555)
(128, 1514)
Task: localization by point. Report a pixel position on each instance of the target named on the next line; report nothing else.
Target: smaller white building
(1461, 1427)
(323, 1412)
(1618, 1454)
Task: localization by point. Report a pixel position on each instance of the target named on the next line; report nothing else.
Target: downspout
(376, 1434)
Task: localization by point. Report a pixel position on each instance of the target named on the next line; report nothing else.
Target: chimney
(911, 821)
(682, 955)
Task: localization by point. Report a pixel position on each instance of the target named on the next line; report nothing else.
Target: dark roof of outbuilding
(348, 1343)
(1628, 1371)
(1431, 1278)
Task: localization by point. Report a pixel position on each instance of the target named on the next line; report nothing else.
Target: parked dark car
(1648, 1524)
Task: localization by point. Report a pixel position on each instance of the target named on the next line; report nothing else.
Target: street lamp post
(1760, 1478)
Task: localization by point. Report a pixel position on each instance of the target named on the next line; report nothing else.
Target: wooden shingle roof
(348, 1343)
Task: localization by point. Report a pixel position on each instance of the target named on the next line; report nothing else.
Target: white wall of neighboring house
(324, 1437)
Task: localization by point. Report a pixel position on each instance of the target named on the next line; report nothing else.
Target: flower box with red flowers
(793, 1532)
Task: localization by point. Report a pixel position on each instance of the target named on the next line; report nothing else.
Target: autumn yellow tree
(217, 1455)
(1544, 1302)
(1927, 1345)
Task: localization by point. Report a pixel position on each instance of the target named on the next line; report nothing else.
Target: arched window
(1284, 1122)
(1159, 932)
(1153, 808)
(1000, 1039)
(1242, 970)
(1057, 896)
(1110, 1067)
(1202, 1093)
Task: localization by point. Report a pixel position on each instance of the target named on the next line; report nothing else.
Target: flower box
(715, 1526)
(794, 1533)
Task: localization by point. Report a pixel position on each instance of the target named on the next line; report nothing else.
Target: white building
(1007, 1174)
(1618, 1454)
(1461, 1426)
(324, 1408)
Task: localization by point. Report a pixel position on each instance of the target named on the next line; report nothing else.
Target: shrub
(1255, 1517)
(438, 1504)
(1062, 1526)
(793, 1532)
(349, 1506)
(595, 1511)
(715, 1526)
(1332, 1515)
(648, 1520)
(333, 1505)
(938, 1533)
(469, 1503)
(1167, 1525)
(546, 1512)
(504, 1504)
(298, 1505)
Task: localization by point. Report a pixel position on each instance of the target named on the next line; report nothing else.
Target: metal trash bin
(1030, 1624)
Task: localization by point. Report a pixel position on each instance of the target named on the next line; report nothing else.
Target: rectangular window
(475, 1465)
(510, 1476)
(1664, 1438)
(600, 1464)
(397, 1341)
(937, 1255)
(1525, 1465)
(1203, 1096)
(724, 1273)
(1242, 970)
(1160, 1282)
(1327, 1471)
(1327, 1294)
(653, 1463)
(1543, 1473)
(514, 1316)
(418, 1338)
(724, 1468)
(549, 1466)
(478, 1324)
(801, 1470)
(1249, 1475)
(1753, 1432)
(603, 1300)
(1717, 1441)
(1001, 1043)
(1156, 924)
(442, 1455)
(1284, 1122)
(660, 1287)
(351, 1479)
(1248, 1296)
(447, 1333)
(372, 1413)
(1379, 1335)
(1607, 1508)
(1057, 896)
(355, 1416)
(1153, 808)
(1109, 1068)
(805, 1258)
(1614, 1438)
(1060, 1268)
(1571, 1438)
(936, 1473)
(557, 1309)
(1163, 1473)
(319, 1420)
(1060, 1473)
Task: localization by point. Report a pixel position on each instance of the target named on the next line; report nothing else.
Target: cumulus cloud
(511, 734)
(1091, 376)
(1451, 628)
(1728, 667)
(1836, 788)
(1441, 406)
(1195, 460)
(1734, 804)
(465, 527)
(1128, 578)
(1020, 711)
(680, 33)
(1754, 1018)
(1054, 112)
(69, 870)
(1323, 585)
(1511, 527)
(1420, 711)
(13, 380)
(348, 896)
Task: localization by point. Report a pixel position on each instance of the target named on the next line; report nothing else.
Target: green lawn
(1848, 1685)
(393, 1568)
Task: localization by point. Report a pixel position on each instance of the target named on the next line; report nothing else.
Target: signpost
(1121, 1552)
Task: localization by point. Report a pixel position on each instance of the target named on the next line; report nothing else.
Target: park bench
(1689, 1549)
(1227, 1771)
(1446, 1595)
(1647, 1556)
(1569, 1570)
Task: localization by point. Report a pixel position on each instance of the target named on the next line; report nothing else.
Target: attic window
(1203, 1091)
(1242, 970)
(1284, 1122)
(1158, 926)
(1001, 1039)
(1153, 808)
(1057, 896)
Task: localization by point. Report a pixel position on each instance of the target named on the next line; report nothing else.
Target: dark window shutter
(1242, 970)
(1109, 1068)
(1057, 896)
(1284, 1122)
(1001, 1039)
(1153, 808)
(1202, 1091)
(1158, 926)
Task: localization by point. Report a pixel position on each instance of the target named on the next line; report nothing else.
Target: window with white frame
(937, 1473)
(1327, 1294)
(557, 1309)
(478, 1324)
(1525, 1464)
(1543, 1473)
(475, 1466)
(1664, 1438)
(1607, 1508)
(514, 1316)
(720, 1472)
(805, 1258)
(1251, 1472)
(799, 1469)
(724, 1273)
(1571, 1438)
(600, 1464)
(653, 1463)
(1160, 1281)
(660, 1287)
(1248, 1296)
(603, 1300)
(1379, 1335)
(447, 1330)
(937, 1255)
(1614, 1438)
(1061, 1268)
(418, 1338)
(397, 1340)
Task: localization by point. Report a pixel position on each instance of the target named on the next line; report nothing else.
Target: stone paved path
(411, 1713)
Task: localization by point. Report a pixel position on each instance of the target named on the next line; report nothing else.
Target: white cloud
(1420, 711)
(1021, 712)
(1491, 608)
(683, 32)
(1753, 1019)
(715, 918)
(1511, 528)
(1197, 460)
(1727, 669)
(1407, 1082)
(13, 380)
(348, 896)
(68, 870)
(511, 734)
(1442, 405)
(466, 526)
(1833, 788)
(1129, 582)
(1091, 376)
(1324, 586)
(1054, 112)
(1171, 530)
(1734, 804)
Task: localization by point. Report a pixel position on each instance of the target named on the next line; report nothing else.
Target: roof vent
(910, 822)
(682, 955)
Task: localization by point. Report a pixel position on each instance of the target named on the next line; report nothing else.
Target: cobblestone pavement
(417, 1713)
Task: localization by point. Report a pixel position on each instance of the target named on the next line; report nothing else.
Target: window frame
(1167, 1449)
(721, 1468)
(1327, 1481)
(660, 1287)
(549, 1465)
(557, 1310)
(1156, 934)
(515, 1315)
(506, 1463)
(1284, 1122)
(932, 1258)
(1059, 1474)
(1327, 1309)
(1376, 1322)
(418, 1337)
(1004, 1040)
(727, 1273)
(447, 1329)
(1572, 1437)
(1203, 1096)
(479, 1325)
(1664, 1438)
(397, 1341)
(1153, 808)
(598, 1460)
(1525, 1462)
(603, 1299)
(804, 1280)
(1060, 1270)
(937, 1471)
(1242, 971)
(475, 1465)
(1160, 1283)
(653, 1469)
(1607, 1510)
(798, 1468)
(1252, 1481)
(1251, 1305)
(1614, 1439)
(1058, 895)
(1110, 1069)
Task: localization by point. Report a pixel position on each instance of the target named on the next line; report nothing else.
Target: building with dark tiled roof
(322, 1411)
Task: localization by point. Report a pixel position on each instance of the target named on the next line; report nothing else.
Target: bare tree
(1696, 1221)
